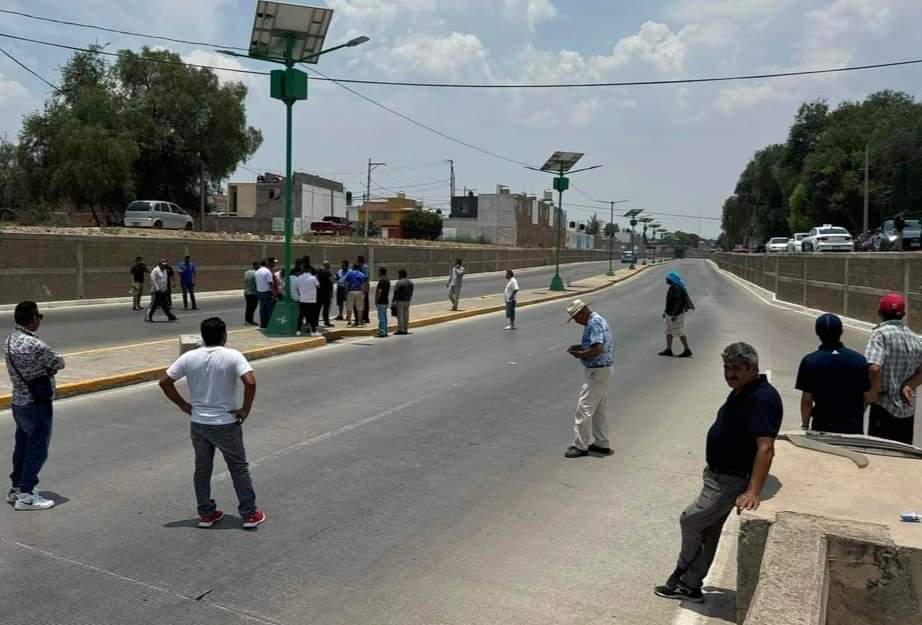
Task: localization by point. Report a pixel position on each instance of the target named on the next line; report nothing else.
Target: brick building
(501, 218)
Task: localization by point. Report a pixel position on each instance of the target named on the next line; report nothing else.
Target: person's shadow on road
(772, 487)
(719, 603)
(57, 498)
(229, 522)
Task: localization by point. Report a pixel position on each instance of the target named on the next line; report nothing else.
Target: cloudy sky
(675, 149)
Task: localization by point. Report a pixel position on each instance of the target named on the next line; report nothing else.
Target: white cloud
(357, 10)
(11, 89)
(207, 57)
(655, 44)
(534, 11)
(831, 29)
(439, 56)
(747, 97)
(698, 11)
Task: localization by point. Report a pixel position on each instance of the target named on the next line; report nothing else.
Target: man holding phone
(212, 372)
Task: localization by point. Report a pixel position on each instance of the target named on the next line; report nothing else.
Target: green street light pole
(289, 86)
(561, 183)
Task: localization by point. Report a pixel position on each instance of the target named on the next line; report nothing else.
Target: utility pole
(452, 163)
(371, 166)
(611, 235)
(867, 150)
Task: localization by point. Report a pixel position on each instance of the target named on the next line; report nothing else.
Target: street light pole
(611, 235)
(289, 86)
(560, 183)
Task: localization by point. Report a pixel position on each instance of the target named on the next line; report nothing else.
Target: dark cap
(829, 328)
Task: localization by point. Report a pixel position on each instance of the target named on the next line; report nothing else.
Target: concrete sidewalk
(109, 367)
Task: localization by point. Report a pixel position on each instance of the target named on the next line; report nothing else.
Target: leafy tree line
(817, 175)
(143, 127)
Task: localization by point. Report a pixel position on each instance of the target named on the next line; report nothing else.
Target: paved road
(80, 328)
(410, 481)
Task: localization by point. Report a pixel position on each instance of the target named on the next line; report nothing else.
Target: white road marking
(848, 322)
(285, 451)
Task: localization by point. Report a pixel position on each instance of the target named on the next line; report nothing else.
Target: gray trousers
(403, 316)
(454, 294)
(702, 522)
(229, 440)
(591, 420)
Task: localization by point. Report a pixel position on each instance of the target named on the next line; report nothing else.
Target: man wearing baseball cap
(833, 381)
(594, 351)
(894, 354)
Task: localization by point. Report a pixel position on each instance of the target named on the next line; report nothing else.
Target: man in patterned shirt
(894, 354)
(28, 358)
(595, 352)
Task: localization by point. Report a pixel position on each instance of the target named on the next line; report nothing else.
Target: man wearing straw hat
(594, 351)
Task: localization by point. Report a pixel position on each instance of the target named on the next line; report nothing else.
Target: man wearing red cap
(894, 354)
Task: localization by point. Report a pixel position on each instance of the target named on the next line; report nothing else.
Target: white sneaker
(12, 495)
(32, 501)
(509, 328)
(316, 334)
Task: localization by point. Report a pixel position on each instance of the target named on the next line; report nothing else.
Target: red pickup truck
(337, 226)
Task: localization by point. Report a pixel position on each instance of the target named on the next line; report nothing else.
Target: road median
(94, 370)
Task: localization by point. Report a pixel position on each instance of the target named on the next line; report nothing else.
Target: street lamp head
(358, 41)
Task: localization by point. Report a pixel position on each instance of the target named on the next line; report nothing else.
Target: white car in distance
(828, 238)
(794, 243)
(777, 244)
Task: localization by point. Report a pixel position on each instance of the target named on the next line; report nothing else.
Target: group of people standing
(162, 282)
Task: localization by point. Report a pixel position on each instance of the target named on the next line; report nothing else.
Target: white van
(157, 214)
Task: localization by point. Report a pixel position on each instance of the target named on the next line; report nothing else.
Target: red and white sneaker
(208, 520)
(253, 519)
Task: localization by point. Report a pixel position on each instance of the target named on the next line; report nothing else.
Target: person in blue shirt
(187, 282)
(833, 380)
(595, 353)
(356, 284)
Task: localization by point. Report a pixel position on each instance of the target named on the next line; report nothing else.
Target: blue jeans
(33, 436)
(510, 311)
(266, 304)
(382, 319)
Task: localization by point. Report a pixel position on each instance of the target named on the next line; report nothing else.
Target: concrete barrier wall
(49, 267)
(846, 284)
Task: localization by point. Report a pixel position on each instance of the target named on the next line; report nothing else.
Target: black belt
(743, 476)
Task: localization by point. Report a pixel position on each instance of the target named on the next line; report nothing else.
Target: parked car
(739, 248)
(795, 242)
(777, 244)
(627, 256)
(827, 238)
(332, 225)
(912, 236)
(157, 214)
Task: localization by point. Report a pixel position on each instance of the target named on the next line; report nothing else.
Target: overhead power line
(146, 60)
(30, 70)
(418, 123)
(116, 30)
(454, 85)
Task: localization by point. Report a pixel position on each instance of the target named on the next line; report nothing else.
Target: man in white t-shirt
(509, 295)
(304, 291)
(265, 291)
(212, 372)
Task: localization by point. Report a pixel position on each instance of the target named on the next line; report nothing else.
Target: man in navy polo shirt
(833, 380)
(740, 448)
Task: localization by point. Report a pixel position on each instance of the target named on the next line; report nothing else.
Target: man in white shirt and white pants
(509, 295)
(265, 291)
(212, 372)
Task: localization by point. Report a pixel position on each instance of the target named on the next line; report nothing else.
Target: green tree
(186, 123)
(420, 224)
(611, 229)
(79, 148)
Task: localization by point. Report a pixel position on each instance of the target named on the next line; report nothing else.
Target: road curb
(84, 387)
